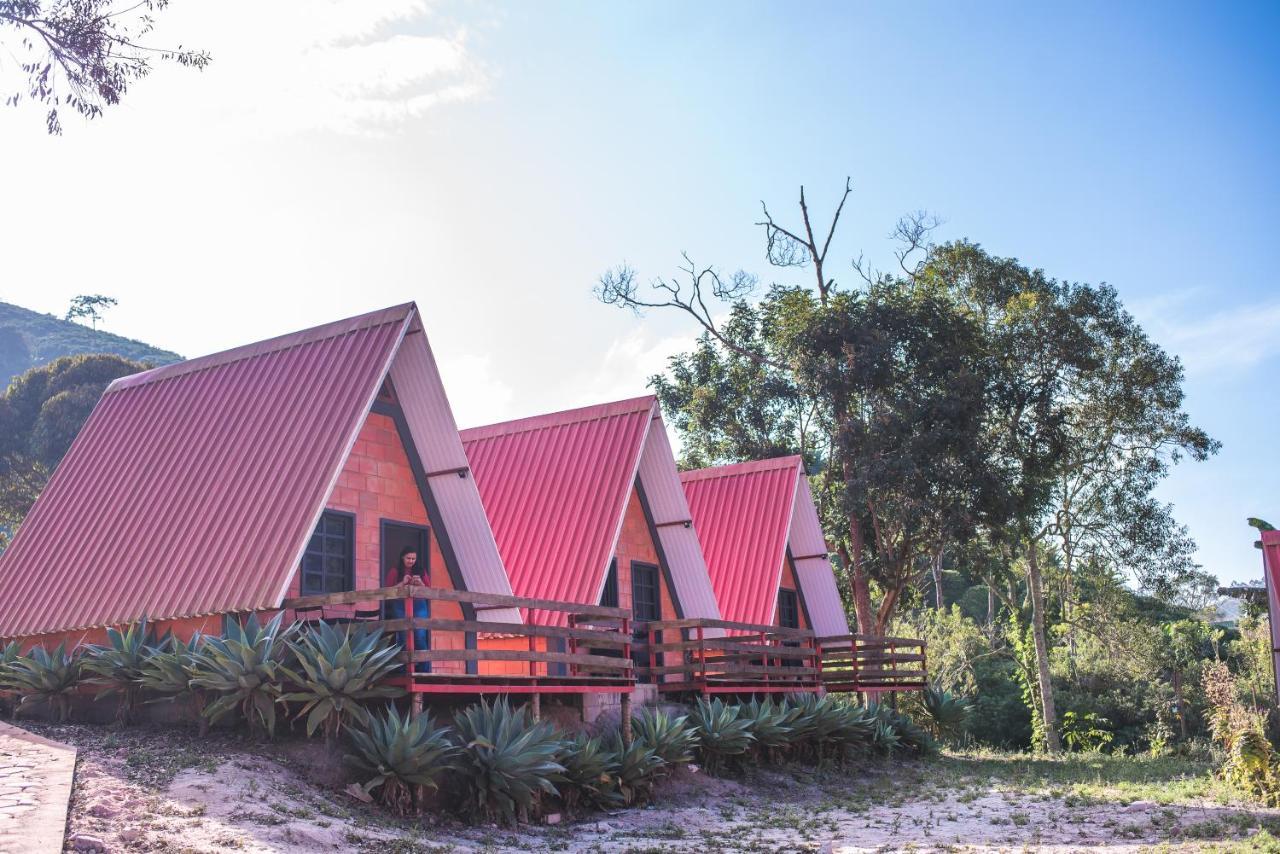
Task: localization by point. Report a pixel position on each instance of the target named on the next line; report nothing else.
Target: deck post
(535, 705)
(411, 666)
(626, 718)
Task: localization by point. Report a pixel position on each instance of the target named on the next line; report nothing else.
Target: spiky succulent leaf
(590, 774)
(672, 738)
(245, 669)
(507, 760)
(401, 752)
(723, 733)
(638, 768)
(339, 668)
(42, 675)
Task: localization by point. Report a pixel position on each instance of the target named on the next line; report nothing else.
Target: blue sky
(489, 161)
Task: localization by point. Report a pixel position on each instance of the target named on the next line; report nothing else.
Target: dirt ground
(162, 790)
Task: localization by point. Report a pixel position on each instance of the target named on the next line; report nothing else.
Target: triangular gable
(750, 517)
(555, 487)
(193, 488)
(742, 514)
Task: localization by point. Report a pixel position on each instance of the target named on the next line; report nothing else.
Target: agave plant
(507, 760)
(341, 669)
(723, 734)
(590, 774)
(773, 726)
(818, 722)
(46, 676)
(673, 739)
(246, 669)
(401, 752)
(945, 714)
(637, 769)
(117, 667)
(9, 653)
(855, 730)
(884, 738)
(167, 671)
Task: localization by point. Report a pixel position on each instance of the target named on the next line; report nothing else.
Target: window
(329, 562)
(609, 598)
(646, 602)
(788, 609)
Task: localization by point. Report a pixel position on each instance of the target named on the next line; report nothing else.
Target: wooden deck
(594, 654)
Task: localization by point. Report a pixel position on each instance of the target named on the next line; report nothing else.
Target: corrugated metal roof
(745, 515)
(556, 489)
(1271, 574)
(193, 488)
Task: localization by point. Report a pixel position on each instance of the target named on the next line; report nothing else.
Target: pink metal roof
(193, 488)
(556, 489)
(746, 515)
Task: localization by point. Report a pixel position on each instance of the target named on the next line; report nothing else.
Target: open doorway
(396, 536)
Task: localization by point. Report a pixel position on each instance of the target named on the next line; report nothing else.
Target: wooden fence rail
(592, 653)
(868, 663)
(721, 656)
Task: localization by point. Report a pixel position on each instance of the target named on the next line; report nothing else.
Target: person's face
(410, 560)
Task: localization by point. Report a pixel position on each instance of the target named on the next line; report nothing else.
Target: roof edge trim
(270, 345)
(737, 469)
(561, 418)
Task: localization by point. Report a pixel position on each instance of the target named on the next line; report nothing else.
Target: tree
(40, 415)
(83, 54)
(92, 306)
(876, 388)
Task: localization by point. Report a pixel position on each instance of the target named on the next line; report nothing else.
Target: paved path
(35, 788)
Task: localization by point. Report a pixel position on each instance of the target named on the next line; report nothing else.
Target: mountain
(29, 339)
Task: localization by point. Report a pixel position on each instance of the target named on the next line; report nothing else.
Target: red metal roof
(555, 488)
(192, 488)
(742, 514)
(747, 517)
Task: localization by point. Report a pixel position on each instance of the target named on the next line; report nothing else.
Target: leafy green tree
(92, 306)
(40, 415)
(83, 54)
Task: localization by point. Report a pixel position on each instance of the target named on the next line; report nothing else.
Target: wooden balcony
(468, 654)
(866, 663)
(724, 657)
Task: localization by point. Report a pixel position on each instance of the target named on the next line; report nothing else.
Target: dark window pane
(609, 598)
(788, 609)
(327, 564)
(645, 601)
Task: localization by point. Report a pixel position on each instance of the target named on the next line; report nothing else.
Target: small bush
(773, 727)
(117, 667)
(339, 669)
(167, 671)
(590, 777)
(723, 733)
(945, 714)
(401, 752)
(246, 670)
(44, 676)
(637, 769)
(673, 739)
(506, 760)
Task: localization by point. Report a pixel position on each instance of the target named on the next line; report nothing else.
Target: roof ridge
(310, 335)
(739, 469)
(559, 418)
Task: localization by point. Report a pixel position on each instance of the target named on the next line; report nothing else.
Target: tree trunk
(991, 615)
(858, 577)
(1177, 699)
(1036, 592)
(937, 580)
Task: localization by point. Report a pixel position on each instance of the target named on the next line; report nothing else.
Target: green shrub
(636, 767)
(117, 667)
(723, 733)
(946, 715)
(166, 672)
(506, 760)
(9, 653)
(246, 670)
(340, 669)
(590, 775)
(1088, 732)
(673, 739)
(910, 737)
(44, 676)
(401, 752)
(855, 728)
(772, 726)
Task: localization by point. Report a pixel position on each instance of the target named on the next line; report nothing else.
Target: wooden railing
(492, 655)
(867, 663)
(720, 656)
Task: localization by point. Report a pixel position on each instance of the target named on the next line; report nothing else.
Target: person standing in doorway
(408, 572)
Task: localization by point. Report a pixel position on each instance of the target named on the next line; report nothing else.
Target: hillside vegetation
(29, 339)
